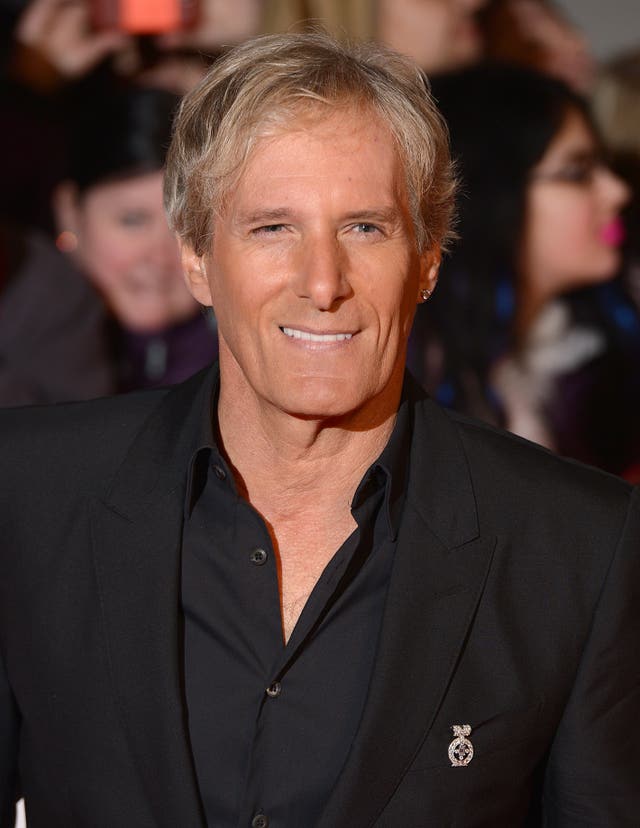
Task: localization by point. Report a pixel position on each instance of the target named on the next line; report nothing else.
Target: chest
(302, 555)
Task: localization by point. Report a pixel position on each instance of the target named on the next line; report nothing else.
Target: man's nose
(322, 272)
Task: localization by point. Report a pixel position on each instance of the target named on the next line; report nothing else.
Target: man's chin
(318, 409)
(316, 398)
(346, 406)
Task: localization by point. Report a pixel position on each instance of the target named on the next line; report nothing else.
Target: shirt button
(274, 689)
(219, 472)
(260, 821)
(258, 557)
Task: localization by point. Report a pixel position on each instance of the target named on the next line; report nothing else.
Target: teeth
(311, 337)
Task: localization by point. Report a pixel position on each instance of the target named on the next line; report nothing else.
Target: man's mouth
(295, 333)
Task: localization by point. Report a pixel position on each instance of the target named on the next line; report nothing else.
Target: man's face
(313, 271)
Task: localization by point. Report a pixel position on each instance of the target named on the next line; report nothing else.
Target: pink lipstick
(613, 233)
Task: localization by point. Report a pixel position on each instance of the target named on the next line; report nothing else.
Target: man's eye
(366, 228)
(269, 229)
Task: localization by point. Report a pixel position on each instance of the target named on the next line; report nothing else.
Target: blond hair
(266, 83)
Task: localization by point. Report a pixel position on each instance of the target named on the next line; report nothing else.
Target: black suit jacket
(514, 607)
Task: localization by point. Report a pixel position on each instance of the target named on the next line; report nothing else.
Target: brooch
(460, 749)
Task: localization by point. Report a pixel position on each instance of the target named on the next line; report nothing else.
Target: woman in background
(111, 222)
(52, 345)
(527, 328)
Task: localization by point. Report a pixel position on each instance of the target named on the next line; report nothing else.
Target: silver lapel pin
(461, 749)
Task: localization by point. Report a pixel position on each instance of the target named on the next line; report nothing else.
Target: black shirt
(271, 725)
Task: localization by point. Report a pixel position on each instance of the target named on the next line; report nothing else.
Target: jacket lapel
(439, 573)
(136, 540)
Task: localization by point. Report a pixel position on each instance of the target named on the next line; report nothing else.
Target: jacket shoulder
(66, 440)
(523, 476)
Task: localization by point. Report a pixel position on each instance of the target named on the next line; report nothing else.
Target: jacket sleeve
(8, 752)
(593, 773)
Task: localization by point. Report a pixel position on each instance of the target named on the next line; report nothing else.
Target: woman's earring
(425, 293)
(67, 241)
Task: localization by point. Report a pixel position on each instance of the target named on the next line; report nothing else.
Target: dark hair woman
(526, 328)
(112, 223)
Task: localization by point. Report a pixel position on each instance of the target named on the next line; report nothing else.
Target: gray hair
(269, 81)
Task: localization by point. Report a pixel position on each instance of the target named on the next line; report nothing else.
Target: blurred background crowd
(535, 325)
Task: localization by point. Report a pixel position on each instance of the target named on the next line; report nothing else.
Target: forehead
(338, 147)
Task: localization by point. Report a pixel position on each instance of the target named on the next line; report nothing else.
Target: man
(295, 592)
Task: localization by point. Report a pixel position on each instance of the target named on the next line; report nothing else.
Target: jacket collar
(156, 464)
(440, 484)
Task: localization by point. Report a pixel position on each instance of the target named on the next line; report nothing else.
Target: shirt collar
(206, 452)
(390, 470)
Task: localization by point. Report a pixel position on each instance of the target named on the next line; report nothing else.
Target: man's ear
(195, 274)
(429, 267)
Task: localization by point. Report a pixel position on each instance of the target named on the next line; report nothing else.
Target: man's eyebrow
(380, 214)
(268, 215)
(273, 215)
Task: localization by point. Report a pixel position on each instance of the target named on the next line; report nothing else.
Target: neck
(282, 462)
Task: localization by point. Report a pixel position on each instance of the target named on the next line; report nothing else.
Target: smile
(294, 333)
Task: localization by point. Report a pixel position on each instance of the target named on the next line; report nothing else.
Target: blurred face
(313, 272)
(573, 231)
(127, 250)
(438, 35)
